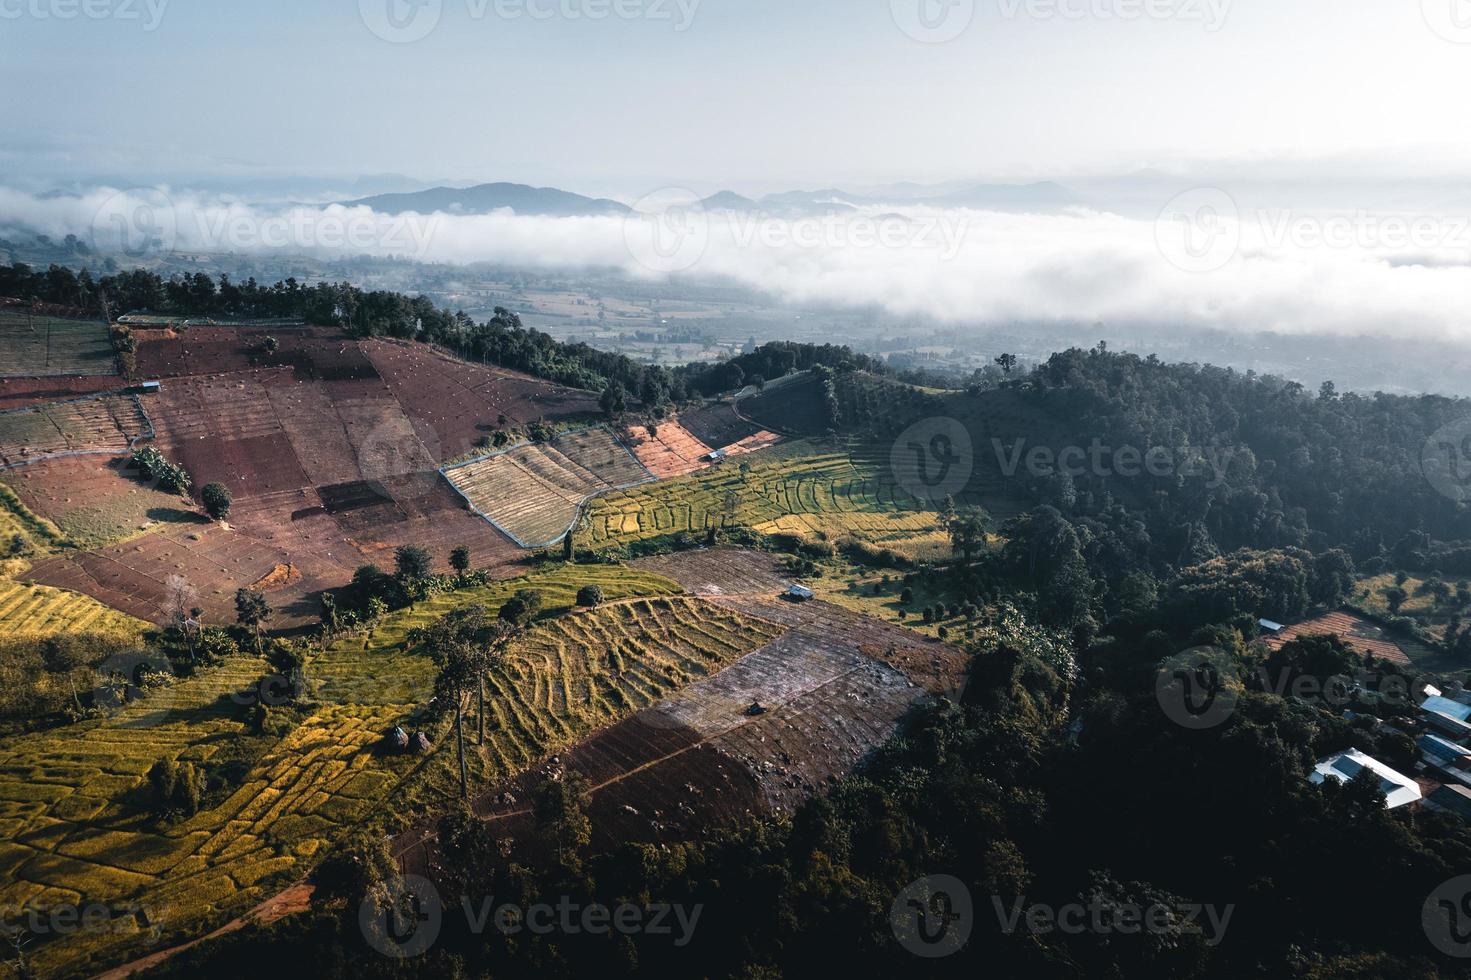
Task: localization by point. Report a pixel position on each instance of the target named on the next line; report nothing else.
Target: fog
(1203, 260)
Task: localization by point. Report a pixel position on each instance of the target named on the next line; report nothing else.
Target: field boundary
(649, 477)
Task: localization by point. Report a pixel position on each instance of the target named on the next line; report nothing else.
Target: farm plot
(533, 492)
(795, 479)
(309, 352)
(462, 401)
(49, 346)
(717, 425)
(93, 500)
(26, 392)
(669, 450)
(76, 828)
(36, 610)
(98, 424)
(772, 729)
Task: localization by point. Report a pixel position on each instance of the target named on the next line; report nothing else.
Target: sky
(750, 94)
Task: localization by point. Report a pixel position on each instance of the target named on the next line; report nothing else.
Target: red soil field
(1355, 631)
(21, 392)
(670, 452)
(328, 470)
(463, 401)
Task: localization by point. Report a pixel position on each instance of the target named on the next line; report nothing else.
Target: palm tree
(467, 644)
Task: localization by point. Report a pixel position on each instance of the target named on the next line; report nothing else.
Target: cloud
(1205, 263)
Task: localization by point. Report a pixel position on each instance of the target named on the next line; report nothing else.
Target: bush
(217, 500)
(590, 596)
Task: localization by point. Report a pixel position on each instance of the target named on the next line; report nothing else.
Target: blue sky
(754, 94)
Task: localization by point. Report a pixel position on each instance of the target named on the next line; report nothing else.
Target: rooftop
(1398, 788)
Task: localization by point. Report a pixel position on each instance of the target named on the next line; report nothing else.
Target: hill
(484, 198)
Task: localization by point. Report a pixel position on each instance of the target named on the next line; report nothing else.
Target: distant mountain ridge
(485, 198)
(552, 202)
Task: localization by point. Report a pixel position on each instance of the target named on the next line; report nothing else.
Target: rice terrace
(289, 604)
(171, 790)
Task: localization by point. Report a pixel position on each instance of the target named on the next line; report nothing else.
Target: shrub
(217, 500)
(590, 596)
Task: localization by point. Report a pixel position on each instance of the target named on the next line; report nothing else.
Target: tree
(968, 531)
(465, 644)
(414, 564)
(590, 596)
(217, 500)
(459, 560)
(252, 611)
(1395, 598)
(522, 607)
(1007, 363)
(561, 817)
(614, 401)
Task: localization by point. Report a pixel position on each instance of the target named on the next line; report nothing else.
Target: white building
(1398, 788)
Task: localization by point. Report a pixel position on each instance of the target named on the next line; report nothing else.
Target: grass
(37, 536)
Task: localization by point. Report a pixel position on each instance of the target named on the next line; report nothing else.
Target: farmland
(832, 687)
(72, 800)
(34, 346)
(97, 424)
(669, 451)
(331, 465)
(36, 610)
(796, 488)
(533, 492)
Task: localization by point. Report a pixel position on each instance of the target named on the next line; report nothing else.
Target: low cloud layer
(1204, 262)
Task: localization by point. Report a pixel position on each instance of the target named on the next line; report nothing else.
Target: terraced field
(37, 610)
(533, 492)
(796, 488)
(74, 825)
(103, 423)
(49, 346)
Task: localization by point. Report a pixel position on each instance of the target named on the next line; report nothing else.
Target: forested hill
(1304, 468)
(1253, 461)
